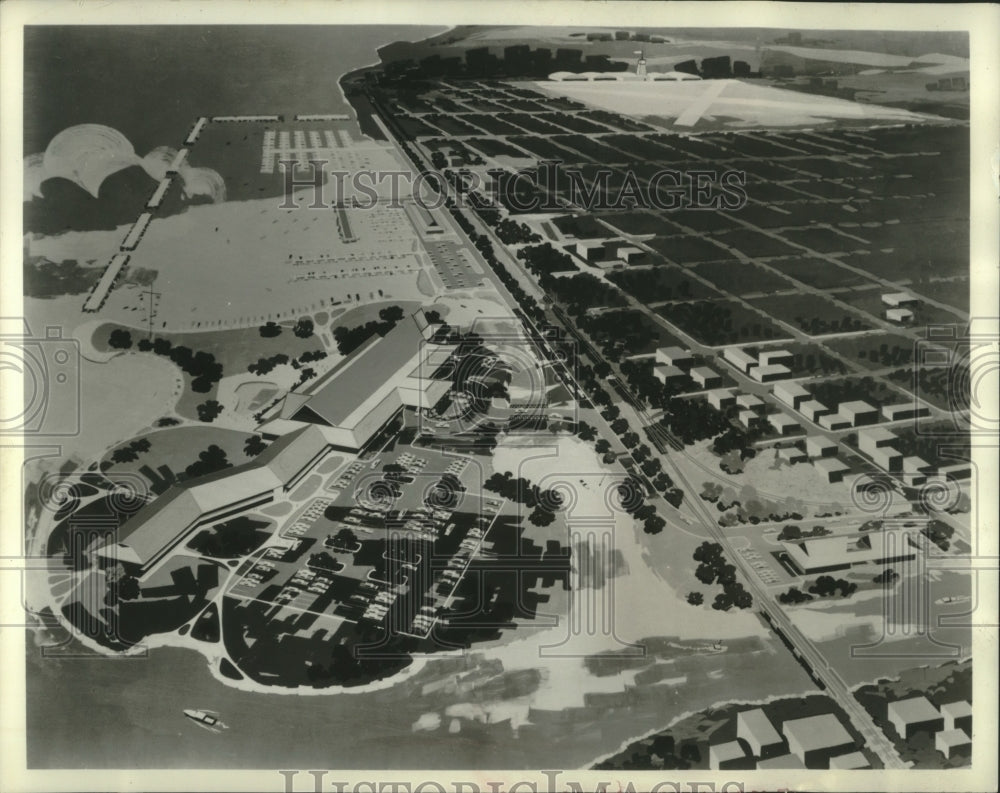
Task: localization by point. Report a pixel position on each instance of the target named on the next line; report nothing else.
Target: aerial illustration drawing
(500, 396)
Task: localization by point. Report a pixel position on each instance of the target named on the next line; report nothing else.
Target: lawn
(876, 350)
(739, 278)
(813, 314)
(717, 322)
(664, 282)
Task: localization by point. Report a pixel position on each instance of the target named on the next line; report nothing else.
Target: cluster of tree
(311, 355)
(794, 595)
(120, 339)
(693, 420)
(307, 373)
(585, 291)
(887, 577)
(543, 504)
(209, 410)
(543, 260)
(792, 532)
(345, 540)
(632, 497)
(270, 329)
(349, 339)
(303, 328)
(713, 568)
(201, 366)
(254, 445)
(511, 232)
(265, 365)
(815, 326)
(827, 585)
(234, 537)
(131, 452)
(209, 461)
(528, 304)
(324, 561)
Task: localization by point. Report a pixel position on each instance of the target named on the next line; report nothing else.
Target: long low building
(160, 526)
(365, 391)
(841, 552)
(346, 409)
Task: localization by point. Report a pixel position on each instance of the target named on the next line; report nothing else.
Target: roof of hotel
(730, 750)
(848, 761)
(957, 709)
(913, 710)
(877, 434)
(857, 406)
(757, 722)
(791, 388)
(785, 761)
(953, 737)
(781, 420)
(816, 732)
(384, 360)
(831, 464)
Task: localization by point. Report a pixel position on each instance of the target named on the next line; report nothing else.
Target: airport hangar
(341, 412)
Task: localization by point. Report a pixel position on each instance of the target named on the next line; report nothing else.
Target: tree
(124, 454)
(887, 577)
(303, 328)
(619, 426)
(630, 439)
(270, 330)
(207, 411)
(602, 446)
(695, 598)
(585, 432)
(346, 538)
(120, 339)
(128, 588)
(391, 314)
(654, 524)
(254, 445)
(541, 517)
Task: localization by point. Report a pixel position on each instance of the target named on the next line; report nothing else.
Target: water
(152, 83)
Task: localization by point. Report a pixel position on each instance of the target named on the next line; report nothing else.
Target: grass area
(740, 278)
(721, 322)
(813, 314)
(875, 350)
(818, 273)
(665, 282)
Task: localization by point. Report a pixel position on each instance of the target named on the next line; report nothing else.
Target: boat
(208, 719)
(953, 599)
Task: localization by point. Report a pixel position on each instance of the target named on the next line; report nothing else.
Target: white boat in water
(206, 718)
(952, 599)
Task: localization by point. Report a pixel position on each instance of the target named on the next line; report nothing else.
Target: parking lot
(387, 544)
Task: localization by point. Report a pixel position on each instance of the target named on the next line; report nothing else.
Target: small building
(896, 299)
(843, 551)
(957, 716)
(792, 455)
(817, 739)
(834, 421)
(665, 373)
(749, 419)
(729, 755)
(900, 315)
(915, 471)
(783, 762)
(631, 255)
(738, 358)
(769, 373)
(783, 424)
(590, 250)
(754, 727)
(813, 409)
(910, 716)
(792, 394)
(888, 459)
(721, 398)
(956, 471)
(871, 439)
(859, 412)
(906, 410)
(948, 742)
(768, 357)
(847, 762)
(705, 377)
(833, 468)
(749, 402)
(674, 356)
(820, 446)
